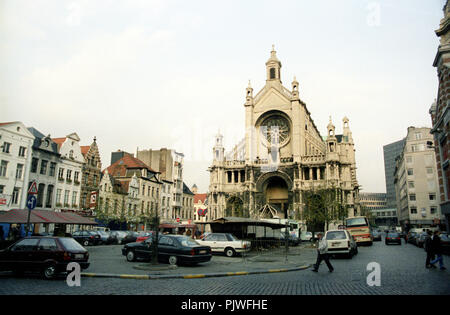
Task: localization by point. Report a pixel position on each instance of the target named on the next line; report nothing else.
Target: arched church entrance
(276, 193)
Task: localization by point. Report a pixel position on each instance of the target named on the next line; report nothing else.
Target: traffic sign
(31, 202)
(33, 189)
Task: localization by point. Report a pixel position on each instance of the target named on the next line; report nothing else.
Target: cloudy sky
(171, 73)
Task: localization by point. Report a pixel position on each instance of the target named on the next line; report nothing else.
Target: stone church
(282, 156)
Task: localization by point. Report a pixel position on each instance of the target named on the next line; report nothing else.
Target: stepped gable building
(91, 175)
(282, 156)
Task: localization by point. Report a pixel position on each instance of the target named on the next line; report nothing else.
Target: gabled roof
(186, 190)
(38, 140)
(85, 149)
(128, 162)
(59, 141)
(200, 197)
(8, 123)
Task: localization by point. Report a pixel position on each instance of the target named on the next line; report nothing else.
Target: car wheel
(173, 260)
(229, 252)
(85, 243)
(49, 271)
(131, 256)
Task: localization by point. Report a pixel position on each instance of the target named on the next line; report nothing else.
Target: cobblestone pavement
(402, 272)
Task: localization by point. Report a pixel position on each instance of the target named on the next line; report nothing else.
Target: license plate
(79, 256)
(202, 252)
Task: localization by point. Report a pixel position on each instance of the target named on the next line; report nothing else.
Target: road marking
(193, 276)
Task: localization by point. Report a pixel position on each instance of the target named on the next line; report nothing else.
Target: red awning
(167, 226)
(20, 216)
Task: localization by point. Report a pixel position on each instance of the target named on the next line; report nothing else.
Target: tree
(323, 206)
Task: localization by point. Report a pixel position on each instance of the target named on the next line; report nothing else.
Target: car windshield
(393, 235)
(336, 235)
(71, 244)
(356, 222)
(232, 237)
(187, 241)
(444, 237)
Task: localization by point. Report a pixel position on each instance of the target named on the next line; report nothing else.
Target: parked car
(48, 255)
(412, 237)
(105, 237)
(376, 236)
(86, 238)
(393, 238)
(174, 249)
(305, 236)
(420, 239)
(131, 237)
(292, 239)
(118, 236)
(341, 242)
(225, 243)
(143, 236)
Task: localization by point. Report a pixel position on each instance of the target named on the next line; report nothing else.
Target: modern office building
(376, 203)
(416, 181)
(391, 152)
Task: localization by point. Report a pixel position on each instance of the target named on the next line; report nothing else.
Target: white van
(341, 242)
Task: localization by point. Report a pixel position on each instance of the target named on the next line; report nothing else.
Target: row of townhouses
(69, 177)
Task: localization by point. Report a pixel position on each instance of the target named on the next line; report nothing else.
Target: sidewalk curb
(190, 276)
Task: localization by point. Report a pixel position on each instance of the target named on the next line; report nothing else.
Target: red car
(48, 255)
(143, 236)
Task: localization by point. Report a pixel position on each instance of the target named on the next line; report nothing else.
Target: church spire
(273, 66)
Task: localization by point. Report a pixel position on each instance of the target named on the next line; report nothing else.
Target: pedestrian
(322, 254)
(429, 249)
(437, 249)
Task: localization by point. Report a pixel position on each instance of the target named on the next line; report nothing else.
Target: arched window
(272, 73)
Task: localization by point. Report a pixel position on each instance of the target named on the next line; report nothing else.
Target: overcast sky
(168, 73)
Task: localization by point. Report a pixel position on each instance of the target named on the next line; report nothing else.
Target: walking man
(437, 249)
(429, 249)
(322, 254)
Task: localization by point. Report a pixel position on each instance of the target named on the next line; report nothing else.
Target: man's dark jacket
(436, 245)
(428, 244)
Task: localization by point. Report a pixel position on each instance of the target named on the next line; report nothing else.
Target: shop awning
(20, 216)
(167, 226)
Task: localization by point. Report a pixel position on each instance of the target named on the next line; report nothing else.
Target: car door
(23, 253)
(211, 241)
(46, 250)
(222, 242)
(144, 249)
(166, 247)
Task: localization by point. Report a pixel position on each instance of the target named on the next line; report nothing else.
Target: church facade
(282, 156)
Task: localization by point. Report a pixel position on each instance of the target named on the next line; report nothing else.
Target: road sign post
(31, 203)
